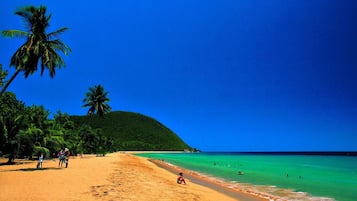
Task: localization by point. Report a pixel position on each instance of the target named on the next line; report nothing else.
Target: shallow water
(293, 177)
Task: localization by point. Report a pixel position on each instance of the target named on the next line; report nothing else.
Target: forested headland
(26, 130)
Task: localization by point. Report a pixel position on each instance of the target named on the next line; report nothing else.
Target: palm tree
(96, 99)
(39, 48)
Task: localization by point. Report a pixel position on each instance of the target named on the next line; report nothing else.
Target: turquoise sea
(290, 176)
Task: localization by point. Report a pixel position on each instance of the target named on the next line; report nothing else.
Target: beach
(116, 176)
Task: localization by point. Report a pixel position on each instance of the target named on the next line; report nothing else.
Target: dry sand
(116, 176)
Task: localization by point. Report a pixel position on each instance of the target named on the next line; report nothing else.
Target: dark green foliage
(25, 144)
(26, 130)
(96, 99)
(44, 150)
(12, 112)
(132, 131)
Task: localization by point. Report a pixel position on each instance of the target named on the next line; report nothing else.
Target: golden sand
(116, 176)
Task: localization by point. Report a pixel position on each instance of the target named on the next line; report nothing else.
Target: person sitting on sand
(180, 179)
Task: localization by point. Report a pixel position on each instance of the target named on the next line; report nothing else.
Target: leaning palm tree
(96, 99)
(39, 47)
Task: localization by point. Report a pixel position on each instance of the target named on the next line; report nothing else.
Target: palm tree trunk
(9, 82)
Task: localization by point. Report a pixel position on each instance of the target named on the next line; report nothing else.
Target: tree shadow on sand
(16, 163)
(35, 169)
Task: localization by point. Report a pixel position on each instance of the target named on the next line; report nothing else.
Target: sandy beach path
(116, 176)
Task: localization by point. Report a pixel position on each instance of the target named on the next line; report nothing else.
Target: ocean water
(291, 177)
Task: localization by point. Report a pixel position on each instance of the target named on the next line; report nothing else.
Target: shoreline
(216, 184)
(241, 191)
(213, 183)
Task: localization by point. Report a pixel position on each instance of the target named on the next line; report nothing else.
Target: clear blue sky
(230, 75)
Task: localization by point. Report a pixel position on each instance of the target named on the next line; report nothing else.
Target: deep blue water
(294, 176)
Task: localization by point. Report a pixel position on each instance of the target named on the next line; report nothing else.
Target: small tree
(96, 99)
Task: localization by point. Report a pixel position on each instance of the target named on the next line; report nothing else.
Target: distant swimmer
(240, 173)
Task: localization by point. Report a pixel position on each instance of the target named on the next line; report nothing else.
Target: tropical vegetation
(26, 130)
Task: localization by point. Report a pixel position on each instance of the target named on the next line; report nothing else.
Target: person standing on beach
(60, 157)
(67, 153)
(40, 159)
(180, 179)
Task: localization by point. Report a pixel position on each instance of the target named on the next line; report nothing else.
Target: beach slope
(116, 176)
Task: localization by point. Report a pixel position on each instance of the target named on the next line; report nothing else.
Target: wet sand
(216, 184)
(117, 176)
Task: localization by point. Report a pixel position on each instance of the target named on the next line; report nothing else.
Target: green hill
(132, 131)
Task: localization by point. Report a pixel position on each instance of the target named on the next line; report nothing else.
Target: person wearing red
(180, 179)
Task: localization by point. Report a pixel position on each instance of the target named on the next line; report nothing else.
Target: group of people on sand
(63, 157)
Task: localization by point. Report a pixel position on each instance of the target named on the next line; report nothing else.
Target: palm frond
(19, 57)
(15, 33)
(26, 13)
(59, 45)
(57, 32)
(50, 59)
(48, 18)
